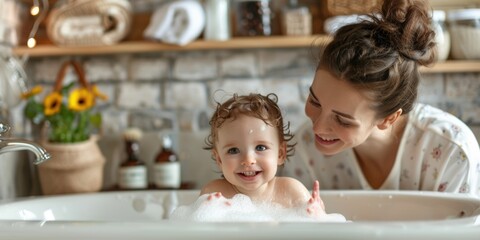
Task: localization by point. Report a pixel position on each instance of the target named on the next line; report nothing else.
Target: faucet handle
(4, 128)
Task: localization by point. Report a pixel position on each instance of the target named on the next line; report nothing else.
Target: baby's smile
(250, 173)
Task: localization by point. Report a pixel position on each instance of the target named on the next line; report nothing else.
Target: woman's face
(340, 114)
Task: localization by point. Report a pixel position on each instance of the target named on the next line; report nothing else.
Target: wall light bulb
(31, 43)
(34, 10)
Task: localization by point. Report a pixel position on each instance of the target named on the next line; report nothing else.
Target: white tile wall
(431, 86)
(239, 65)
(45, 69)
(150, 68)
(287, 90)
(188, 95)
(183, 85)
(222, 90)
(135, 95)
(465, 86)
(195, 66)
(104, 69)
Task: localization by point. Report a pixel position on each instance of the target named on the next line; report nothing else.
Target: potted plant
(70, 126)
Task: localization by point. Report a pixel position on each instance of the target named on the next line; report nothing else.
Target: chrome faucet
(10, 145)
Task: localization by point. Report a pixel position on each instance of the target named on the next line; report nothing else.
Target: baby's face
(248, 151)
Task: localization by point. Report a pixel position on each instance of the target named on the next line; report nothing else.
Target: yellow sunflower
(34, 91)
(52, 103)
(80, 99)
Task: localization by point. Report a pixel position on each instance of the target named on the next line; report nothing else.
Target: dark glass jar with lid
(253, 17)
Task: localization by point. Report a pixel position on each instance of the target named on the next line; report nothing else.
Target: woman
(366, 131)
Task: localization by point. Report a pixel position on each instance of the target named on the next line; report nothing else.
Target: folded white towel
(332, 24)
(178, 22)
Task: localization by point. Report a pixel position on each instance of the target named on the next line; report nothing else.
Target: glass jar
(13, 79)
(217, 26)
(296, 20)
(442, 35)
(253, 18)
(464, 26)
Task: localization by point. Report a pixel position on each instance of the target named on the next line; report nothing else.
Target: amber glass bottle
(166, 174)
(133, 171)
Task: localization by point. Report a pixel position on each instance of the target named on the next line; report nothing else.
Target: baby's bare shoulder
(292, 186)
(289, 182)
(292, 191)
(217, 185)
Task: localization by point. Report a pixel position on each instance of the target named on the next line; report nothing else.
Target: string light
(31, 43)
(34, 10)
(40, 13)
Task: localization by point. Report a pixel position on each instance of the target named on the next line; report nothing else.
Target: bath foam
(240, 208)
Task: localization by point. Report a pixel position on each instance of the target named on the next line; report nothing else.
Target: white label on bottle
(133, 177)
(167, 175)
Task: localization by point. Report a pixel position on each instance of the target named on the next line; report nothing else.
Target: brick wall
(175, 90)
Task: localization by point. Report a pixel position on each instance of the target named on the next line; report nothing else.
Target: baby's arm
(217, 185)
(219, 198)
(300, 196)
(214, 189)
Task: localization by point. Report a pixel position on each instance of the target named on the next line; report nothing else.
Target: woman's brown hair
(381, 55)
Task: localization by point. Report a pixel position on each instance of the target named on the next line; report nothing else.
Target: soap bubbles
(240, 208)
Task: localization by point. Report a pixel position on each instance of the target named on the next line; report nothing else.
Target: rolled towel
(332, 24)
(178, 22)
(89, 23)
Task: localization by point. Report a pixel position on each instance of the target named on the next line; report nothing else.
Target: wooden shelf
(449, 4)
(152, 46)
(451, 66)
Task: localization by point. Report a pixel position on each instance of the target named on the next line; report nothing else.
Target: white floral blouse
(438, 152)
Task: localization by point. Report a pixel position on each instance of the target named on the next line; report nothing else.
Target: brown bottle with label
(132, 173)
(166, 169)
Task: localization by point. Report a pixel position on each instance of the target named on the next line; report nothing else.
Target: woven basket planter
(73, 168)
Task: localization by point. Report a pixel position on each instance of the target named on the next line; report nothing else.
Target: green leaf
(66, 89)
(96, 120)
(33, 110)
(66, 126)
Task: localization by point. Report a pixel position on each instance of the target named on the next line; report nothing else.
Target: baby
(249, 141)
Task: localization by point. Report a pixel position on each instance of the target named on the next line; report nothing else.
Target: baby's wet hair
(256, 105)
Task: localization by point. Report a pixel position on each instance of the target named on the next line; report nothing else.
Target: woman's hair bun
(407, 24)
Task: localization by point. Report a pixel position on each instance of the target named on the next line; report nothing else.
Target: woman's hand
(315, 206)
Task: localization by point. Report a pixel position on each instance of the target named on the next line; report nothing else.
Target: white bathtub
(141, 215)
